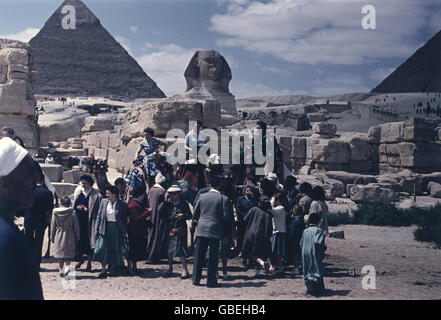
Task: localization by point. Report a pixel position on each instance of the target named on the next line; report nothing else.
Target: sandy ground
(406, 269)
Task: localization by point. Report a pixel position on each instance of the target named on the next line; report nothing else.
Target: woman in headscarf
(137, 228)
(156, 234)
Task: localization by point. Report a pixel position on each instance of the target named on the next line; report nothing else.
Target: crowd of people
(155, 214)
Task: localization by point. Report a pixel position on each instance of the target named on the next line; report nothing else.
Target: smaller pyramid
(420, 73)
(86, 61)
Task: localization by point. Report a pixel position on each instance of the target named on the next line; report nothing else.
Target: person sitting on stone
(150, 146)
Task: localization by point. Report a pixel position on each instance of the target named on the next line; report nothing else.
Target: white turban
(160, 178)
(11, 154)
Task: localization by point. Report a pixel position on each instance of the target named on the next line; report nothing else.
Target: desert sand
(406, 269)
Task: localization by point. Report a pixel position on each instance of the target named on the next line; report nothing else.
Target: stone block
(72, 176)
(64, 189)
(53, 171)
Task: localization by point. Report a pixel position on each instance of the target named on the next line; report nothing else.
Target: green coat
(313, 251)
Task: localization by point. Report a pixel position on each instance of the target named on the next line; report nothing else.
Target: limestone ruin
(17, 103)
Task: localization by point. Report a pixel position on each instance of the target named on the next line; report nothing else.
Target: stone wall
(17, 104)
(387, 148)
(413, 144)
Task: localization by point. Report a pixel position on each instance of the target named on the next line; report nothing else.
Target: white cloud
(166, 64)
(25, 35)
(323, 31)
(381, 74)
(134, 29)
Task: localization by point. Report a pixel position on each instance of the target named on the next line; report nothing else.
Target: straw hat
(174, 188)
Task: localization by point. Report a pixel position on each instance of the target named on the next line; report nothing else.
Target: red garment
(137, 224)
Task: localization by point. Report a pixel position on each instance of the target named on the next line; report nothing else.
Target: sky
(274, 47)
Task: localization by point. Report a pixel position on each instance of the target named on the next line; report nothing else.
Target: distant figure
(313, 252)
(19, 277)
(65, 234)
(49, 159)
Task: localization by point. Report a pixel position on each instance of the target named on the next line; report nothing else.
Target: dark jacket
(258, 231)
(37, 216)
(243, 205)
(212, 211)
(19, 277)
(121, 212)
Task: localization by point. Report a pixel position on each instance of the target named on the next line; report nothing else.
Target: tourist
(296, 225)
(278, 239)
(156, 232)
(111, 231)
(136, 177)
(49, 159)
(19, 277)
(228, 230)
(137, 228)
(313, 252)
(10, 133)
(189, 185)
(211, 213)
(176, 211)
(120, 183)
(257, 238)
(65, 234)
(86, 204)
(319, 206)
(150, 146)
(243, 205)
(289, 187)
(195, 139)
(275, 180)
(37, 218)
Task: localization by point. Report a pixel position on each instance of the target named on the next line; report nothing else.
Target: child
(65, 233)
(313, 251)
(278, 239)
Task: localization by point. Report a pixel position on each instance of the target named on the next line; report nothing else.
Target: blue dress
(149, 149)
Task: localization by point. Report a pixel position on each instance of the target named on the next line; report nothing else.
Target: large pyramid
(86, 61)
(420, 73)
